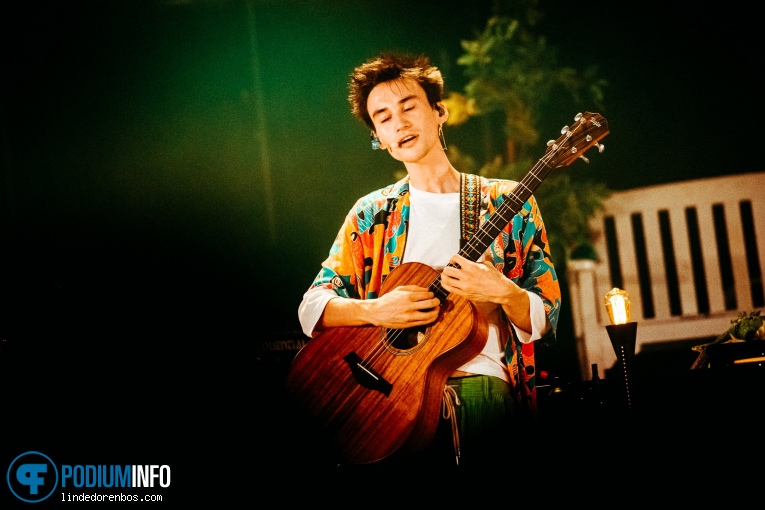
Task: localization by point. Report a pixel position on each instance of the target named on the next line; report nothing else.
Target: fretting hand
(480, 282)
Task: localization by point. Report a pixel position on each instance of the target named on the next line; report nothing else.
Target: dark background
(173, 173)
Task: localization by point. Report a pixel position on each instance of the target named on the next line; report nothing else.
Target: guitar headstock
(588, 129)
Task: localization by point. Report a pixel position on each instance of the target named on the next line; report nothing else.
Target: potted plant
(739, 344)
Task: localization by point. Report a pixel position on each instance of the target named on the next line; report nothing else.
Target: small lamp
(618, 306)
(622, 333)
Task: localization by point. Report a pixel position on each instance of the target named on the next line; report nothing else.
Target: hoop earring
(375, 141)
(441, 136)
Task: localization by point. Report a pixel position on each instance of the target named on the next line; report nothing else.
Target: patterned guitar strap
(470, 218)
(470, 206)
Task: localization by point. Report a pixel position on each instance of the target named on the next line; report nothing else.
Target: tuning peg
(584, 159)
(600, 147)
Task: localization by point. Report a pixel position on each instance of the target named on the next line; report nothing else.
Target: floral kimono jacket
(370, 244)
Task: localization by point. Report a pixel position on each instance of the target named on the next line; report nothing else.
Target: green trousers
(484, 414)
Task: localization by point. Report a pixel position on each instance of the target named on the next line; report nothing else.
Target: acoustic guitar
(370, 391)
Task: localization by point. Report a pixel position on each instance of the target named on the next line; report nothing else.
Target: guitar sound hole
(406, 340)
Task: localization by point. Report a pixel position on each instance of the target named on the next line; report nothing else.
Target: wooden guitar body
(369, 391)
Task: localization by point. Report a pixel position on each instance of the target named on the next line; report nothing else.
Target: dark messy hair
(389, 67)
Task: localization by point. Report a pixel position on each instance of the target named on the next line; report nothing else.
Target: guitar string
(475, 246)
(380, 350)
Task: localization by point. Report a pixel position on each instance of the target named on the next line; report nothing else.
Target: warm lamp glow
(618, 306)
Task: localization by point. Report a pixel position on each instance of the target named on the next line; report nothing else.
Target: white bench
(690, 255)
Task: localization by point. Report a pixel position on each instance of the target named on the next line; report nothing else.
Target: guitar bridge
(365, 376)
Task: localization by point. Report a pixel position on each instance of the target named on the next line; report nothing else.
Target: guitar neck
(587, 130)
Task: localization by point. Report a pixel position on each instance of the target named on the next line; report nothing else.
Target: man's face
(404, 121)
